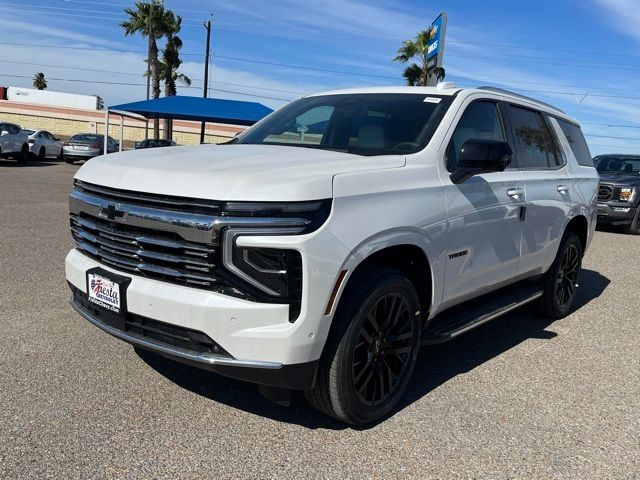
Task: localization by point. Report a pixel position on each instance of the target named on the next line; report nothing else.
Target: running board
(469, 315)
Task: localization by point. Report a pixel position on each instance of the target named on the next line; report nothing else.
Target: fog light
(621, 209)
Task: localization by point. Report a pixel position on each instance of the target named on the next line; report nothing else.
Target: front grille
(605, 192)
(154, 254)
(146, 328)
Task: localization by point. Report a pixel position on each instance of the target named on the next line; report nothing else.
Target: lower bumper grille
(147, 328)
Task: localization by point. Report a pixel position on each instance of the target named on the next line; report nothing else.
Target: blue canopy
(199, 109)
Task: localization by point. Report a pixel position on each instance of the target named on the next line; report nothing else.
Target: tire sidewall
(634, 227)
(551, 302)
(345, 393)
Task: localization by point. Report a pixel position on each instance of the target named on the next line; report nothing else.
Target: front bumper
(296, 377)
(615, 213)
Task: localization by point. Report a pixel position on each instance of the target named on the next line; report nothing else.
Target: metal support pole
(105, 146)
(207, 26)
(121, 132)
(146, 127)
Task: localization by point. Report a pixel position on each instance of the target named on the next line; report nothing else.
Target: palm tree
(149, 21)
(39, 81)
(168, 66)
(416, 48)
(412, 75)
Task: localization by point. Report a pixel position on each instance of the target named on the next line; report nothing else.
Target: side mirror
(479, 156)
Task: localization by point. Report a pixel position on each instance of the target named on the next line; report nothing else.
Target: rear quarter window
(577, 142)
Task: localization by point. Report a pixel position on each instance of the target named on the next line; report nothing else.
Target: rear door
(484, 230)
(547, 184)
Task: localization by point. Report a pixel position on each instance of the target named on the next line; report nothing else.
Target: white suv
(13, 142)
(322, 247)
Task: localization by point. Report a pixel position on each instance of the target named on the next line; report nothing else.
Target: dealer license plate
(105, 292)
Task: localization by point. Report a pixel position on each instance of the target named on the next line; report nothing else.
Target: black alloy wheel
(372, 347)
(567, 277)
(382, 352)
(560, 283)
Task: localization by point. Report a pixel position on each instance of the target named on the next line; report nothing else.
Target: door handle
(515, 192)
(563, 188)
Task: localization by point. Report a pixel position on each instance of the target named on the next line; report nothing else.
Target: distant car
(155, 143)
(13, 142)
(619, 191)
(43, 144)
(83, 146)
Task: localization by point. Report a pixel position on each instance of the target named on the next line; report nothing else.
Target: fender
(391, 238)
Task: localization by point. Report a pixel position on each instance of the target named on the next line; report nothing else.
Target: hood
(230, 172)
(620, 180)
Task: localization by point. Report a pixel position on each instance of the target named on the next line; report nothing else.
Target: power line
(140, 74)
(610, 125)
(615, 138)
(614, 146)
(75, 80)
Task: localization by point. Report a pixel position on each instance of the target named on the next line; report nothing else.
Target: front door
(484, 227)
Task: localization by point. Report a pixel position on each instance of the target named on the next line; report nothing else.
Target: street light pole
(207, 26)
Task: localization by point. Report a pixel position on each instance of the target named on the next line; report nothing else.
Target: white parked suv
(322, 247)
(13, 142)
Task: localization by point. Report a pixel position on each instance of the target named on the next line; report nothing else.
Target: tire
(23, 155)
(634, 227)
(68, 160)
(370, 354)
(60, 157)
(42, 154)
(560, 283)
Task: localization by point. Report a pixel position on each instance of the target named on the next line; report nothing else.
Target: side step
(462, 318)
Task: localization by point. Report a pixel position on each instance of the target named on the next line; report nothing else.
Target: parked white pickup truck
(321, 248)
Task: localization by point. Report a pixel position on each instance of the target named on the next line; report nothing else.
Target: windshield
(363, 124)
(618, 165)
(84, 137)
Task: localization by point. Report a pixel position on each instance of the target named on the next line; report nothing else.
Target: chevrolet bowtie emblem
(112, 212)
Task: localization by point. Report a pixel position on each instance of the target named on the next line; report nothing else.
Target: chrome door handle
(563, 188)
(515, 192)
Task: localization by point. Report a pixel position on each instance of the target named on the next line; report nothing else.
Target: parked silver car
(43, 144)
(83, 146)
(13, 142)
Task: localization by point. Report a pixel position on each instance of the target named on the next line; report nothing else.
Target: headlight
(627, 194)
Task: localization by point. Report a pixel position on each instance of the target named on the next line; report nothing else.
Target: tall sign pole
(207, 26)
(435, 52)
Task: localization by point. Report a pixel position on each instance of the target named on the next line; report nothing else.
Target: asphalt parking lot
(521, 397)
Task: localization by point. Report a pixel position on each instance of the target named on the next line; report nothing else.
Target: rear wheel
(68, 160)
(372, 349)
(561, 281)
(24, 154)
(634, 227)
(42, 153)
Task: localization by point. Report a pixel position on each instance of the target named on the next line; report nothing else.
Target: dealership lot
(520, 397)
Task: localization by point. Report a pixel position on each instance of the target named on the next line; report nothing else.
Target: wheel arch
(405, 250)
(579, 224)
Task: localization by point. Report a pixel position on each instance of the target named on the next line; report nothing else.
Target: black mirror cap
(479, 156)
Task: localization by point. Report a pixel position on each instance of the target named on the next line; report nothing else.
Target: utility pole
(207, 26)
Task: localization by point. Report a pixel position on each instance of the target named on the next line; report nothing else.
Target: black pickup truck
(619, 192)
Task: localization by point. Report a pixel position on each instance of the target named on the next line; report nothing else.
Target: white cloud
(623, 15)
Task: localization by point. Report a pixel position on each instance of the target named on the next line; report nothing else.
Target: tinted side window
(577, 142)
(13, 129)
(534, 145)
(480, 120)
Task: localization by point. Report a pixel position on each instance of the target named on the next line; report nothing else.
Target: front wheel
(24, 154)
(560, 283)
(372, 350)
(634, 227)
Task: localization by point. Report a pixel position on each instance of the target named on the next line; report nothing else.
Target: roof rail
(523, 97)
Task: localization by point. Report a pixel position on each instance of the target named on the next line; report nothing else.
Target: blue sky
(558, 51)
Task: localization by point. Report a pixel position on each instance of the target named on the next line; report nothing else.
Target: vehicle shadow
(28, 164)
(435, 365)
